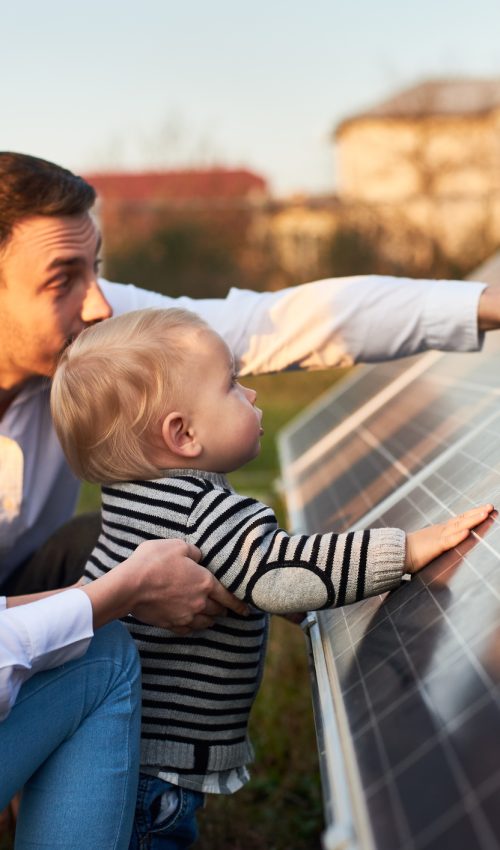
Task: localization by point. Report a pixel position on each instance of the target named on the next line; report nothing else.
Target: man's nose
(95, 307)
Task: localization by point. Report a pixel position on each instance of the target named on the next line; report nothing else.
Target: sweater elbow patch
(287, 590)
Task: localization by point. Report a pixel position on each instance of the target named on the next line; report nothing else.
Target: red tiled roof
(191, 184)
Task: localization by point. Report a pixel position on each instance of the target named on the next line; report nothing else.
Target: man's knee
(113, 643)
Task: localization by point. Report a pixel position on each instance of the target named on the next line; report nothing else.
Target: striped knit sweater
(198, 690)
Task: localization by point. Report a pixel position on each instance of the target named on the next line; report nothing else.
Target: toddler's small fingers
(473, 517)
(480, 510)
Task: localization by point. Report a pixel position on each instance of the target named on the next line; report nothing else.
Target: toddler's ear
(179, 437)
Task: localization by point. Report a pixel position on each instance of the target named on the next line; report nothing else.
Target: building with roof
(132, 205)
(418, 189)
(438, 139)
(426, 164)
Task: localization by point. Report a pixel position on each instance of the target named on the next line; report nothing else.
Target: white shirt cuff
(68, 633)
(59, 627)
(451, 314)
(41, 635)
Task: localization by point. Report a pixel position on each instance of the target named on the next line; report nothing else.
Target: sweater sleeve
(243, 546)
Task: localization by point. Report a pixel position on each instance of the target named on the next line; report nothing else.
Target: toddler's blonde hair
(113, 387)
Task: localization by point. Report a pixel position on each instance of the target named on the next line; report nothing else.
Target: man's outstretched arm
(333, 322)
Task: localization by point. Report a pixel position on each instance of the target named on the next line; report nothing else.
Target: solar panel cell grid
(419, 669)
(423, 711)
(363, 383)
(342, 476)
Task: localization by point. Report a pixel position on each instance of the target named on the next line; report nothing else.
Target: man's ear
(179, 436)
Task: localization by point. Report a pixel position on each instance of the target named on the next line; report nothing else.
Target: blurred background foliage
(202, 253)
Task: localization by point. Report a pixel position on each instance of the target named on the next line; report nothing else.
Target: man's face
(48, 293)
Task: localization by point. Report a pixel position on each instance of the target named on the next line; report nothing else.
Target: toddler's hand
(428, 543)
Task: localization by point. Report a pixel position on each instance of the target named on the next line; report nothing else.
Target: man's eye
(59, 283)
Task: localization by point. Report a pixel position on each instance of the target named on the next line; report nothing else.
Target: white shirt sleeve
(39, 636)
(334, 322)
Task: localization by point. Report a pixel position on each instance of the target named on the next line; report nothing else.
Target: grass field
(280, 809)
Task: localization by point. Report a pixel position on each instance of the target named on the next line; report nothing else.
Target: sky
(115, 84)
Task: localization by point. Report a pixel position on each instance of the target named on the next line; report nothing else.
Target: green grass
(280, 809)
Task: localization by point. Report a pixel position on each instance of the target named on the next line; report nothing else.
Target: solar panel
(410, 680)
(310, 442)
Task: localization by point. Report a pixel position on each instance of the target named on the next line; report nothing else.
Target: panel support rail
(347, 823)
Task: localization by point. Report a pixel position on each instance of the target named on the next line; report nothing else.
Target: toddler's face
(226, 420)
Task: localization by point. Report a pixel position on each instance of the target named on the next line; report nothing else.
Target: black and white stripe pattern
(198, 690)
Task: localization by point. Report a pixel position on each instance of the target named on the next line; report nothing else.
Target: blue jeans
(72, 741)
(174, 831)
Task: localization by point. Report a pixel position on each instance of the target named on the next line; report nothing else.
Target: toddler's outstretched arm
(428, 543)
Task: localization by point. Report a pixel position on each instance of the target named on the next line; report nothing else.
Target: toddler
(148, 404)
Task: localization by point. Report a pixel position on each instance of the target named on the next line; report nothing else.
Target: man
(49, 291)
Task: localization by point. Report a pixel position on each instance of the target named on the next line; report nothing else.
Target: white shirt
(329, 323)
(39, 636)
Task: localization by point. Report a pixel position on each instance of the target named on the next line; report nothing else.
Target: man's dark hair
(30, 186)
